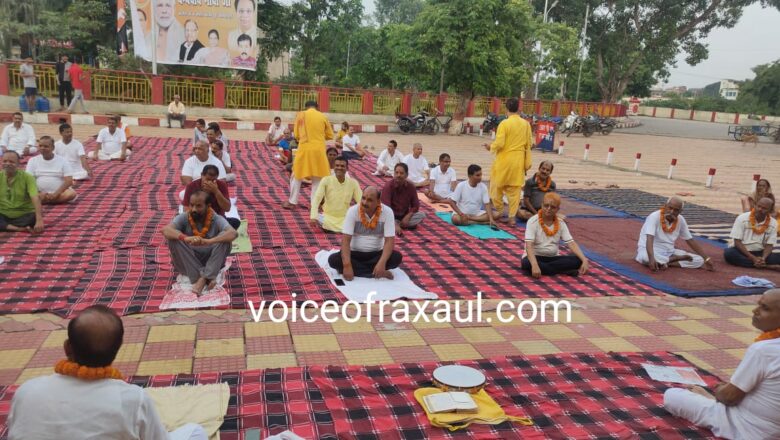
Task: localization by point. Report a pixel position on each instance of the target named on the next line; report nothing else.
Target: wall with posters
(214, 33)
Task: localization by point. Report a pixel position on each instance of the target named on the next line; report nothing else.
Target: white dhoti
(190, 431)
(101, 155)
(699, 410)
(662, 257)
(80, 175)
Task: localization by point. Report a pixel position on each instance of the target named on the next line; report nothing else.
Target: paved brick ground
(712, 332)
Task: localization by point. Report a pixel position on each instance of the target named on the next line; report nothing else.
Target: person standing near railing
(77, 80)
(64, 86)
(30, 87)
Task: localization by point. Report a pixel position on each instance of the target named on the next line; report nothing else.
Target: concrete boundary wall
(705, 116)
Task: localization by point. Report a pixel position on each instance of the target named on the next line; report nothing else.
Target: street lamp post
(544, 21)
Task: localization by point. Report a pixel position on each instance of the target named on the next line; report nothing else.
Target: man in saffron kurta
(312, 129)
(512, 148)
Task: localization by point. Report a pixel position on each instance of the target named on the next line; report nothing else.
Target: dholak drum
(458, 378)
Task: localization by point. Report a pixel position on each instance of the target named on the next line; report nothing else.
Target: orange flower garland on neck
(206, 225)
(372, 222)
(771, 334)
(672, 227)
(758, 229)
(546, 186)
(70, 368)
(547, 231)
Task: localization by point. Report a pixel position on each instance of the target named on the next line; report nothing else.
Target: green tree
(762, 94)
(561, 43)
(397, 11)
(85, 23)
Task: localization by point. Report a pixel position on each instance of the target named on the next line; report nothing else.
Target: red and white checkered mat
(568, 396)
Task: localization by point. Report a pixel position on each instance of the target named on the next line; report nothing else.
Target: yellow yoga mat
(490, 413)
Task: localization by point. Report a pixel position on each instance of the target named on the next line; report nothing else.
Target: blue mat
(478, 231)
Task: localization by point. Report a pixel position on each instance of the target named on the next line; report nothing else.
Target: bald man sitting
(755, 235)
(658, 236)
(87, 398)
(748, 405)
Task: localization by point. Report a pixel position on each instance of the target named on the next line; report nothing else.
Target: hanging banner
(545, 135)
(213, 33)
(121, 28)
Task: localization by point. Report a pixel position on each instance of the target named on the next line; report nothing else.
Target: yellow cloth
(176, 109)
(340, 135)
(513, 152)
(490, 413)
(337, 197)
(512, 193)
(205, 405)
(311, 130)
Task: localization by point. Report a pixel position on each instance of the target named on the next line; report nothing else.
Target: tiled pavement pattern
(712, 332)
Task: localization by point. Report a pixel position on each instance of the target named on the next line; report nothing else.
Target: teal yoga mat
(479, 231)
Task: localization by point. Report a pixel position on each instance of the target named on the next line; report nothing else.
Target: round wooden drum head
(458, 378)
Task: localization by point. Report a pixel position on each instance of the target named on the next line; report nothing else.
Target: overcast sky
(733, 52)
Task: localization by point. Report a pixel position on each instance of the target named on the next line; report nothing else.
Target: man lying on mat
(755, 235)
(337, 192)
(193, 166)
(534, 190)
(52, 173)
(542, 234)
(471, 200)
(400, 195)
(111, 143)
(220, 194)
(369, 237)
(658, 236)
(87, 397)
(442, 181)
(748, 405)
(199, 241)
(20, 206)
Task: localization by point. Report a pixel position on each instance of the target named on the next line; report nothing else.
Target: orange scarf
(771, 334)
(69, 368)
(547, 231)
(547, 184)
(758, 229)
(372, 222)
(670, 228)
(206, 225)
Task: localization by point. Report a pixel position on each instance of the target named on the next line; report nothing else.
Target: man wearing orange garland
(200, 242)
(311, 129)
(534, 190)
(368, 240)
(542, 234)
(748, 405)
(661, 230)
(755, 234)
(87, 397)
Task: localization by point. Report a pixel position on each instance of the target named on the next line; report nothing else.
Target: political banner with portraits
(213, 33)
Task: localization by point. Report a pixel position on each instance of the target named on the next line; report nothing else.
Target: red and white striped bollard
(560, 147)
(609, 155)
(671, 169)
(587, 150)
(710, 176)
(636, 162)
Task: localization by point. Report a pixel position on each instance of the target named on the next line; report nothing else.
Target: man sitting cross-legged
(543, 233)
(18, 136)
(111, 143)
(755, 234)
(73, 152)
(52, 173)
(655, 248)
(275, 132)
(20, 206)
(747, 406)
(220, 195)
(200, 242)
(193, 166)
(534, 190)
(337, 192)
(401, 196)
(350, 145)
(442, 181)
(369, 237)
(387, 160)
(471, 200)
(418, 167)
(87, 398)
(286, 145)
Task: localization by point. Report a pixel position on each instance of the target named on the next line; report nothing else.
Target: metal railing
(387, 103)
(193, 91)
(45, 76)
(451, 104)
(427, 103)
(121, 87)
(482, 106)
(294, 99)
(346, 102)
(254, 96)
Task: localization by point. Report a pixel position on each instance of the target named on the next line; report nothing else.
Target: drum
(459, 378)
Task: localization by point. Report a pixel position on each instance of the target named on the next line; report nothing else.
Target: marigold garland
(672, 227)
(758, 230)
(547, 231)
(69, 368)
(771, 334)
(546, 186)
(206, 224)
(372, 222)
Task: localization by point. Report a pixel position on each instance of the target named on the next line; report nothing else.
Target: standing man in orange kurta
(311, 130)
(512, 148)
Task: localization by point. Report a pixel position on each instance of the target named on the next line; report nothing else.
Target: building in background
(726, 88)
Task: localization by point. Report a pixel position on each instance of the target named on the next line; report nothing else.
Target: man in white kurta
(52, 173)
(748, 405)
(388, 159)
(419, 169)
(61, 406)
(111, 142)
(193, 166)
(658, 236)
(755, 234)
(18, 136)
(73, 152)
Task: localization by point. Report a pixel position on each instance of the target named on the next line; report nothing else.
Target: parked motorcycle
(412, 123)
(491, 122)
(606, 125)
